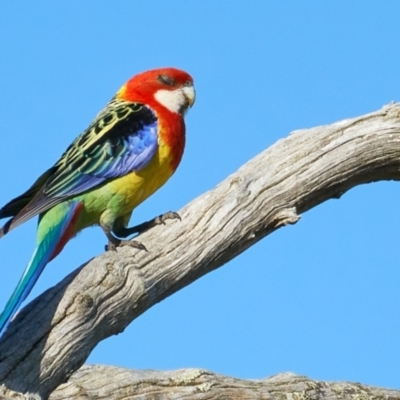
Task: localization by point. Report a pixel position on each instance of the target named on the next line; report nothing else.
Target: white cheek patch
(174, 100)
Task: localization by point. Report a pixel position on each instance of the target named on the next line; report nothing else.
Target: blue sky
(319, 298)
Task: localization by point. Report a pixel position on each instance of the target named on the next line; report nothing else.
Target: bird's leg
(114, 242)
(160, 220)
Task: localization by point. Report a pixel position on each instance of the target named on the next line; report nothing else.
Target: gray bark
(93, 382)
(52, 336)
(112, 383)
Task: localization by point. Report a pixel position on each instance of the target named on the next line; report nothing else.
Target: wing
(122, 139)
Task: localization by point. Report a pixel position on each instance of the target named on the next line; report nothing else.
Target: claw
(160, 220)
(168, 215)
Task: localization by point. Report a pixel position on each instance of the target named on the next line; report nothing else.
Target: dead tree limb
(93, 382)
(52, 337)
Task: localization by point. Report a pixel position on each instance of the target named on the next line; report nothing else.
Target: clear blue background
(320, 298)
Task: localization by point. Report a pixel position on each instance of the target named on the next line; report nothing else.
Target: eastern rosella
(129, 151)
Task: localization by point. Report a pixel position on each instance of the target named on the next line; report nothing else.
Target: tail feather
(46, 250)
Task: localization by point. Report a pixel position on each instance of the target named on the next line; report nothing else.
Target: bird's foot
(145, 226)
(160, 220)
(112, 245)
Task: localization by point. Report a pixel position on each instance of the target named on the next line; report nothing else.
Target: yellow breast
(136, 187)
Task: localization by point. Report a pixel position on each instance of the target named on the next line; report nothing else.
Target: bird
(129, 150)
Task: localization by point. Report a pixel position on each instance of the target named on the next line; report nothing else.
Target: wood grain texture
(94, 382)
(51, 337)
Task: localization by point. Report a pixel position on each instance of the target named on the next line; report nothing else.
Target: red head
(171, 88)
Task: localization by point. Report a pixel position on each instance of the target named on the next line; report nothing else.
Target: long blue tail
(47, 249)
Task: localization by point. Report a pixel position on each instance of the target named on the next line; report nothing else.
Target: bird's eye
(166, 80)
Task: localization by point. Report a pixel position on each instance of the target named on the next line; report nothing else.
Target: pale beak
(190, 94)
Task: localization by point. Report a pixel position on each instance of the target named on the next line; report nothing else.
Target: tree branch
(93, 382)
(52, 336)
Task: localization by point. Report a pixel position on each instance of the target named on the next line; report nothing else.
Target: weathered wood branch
(93, 382)
(101, 382)
(52, 337)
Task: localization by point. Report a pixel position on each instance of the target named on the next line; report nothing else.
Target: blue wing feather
(111, 150)
(134, 153)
